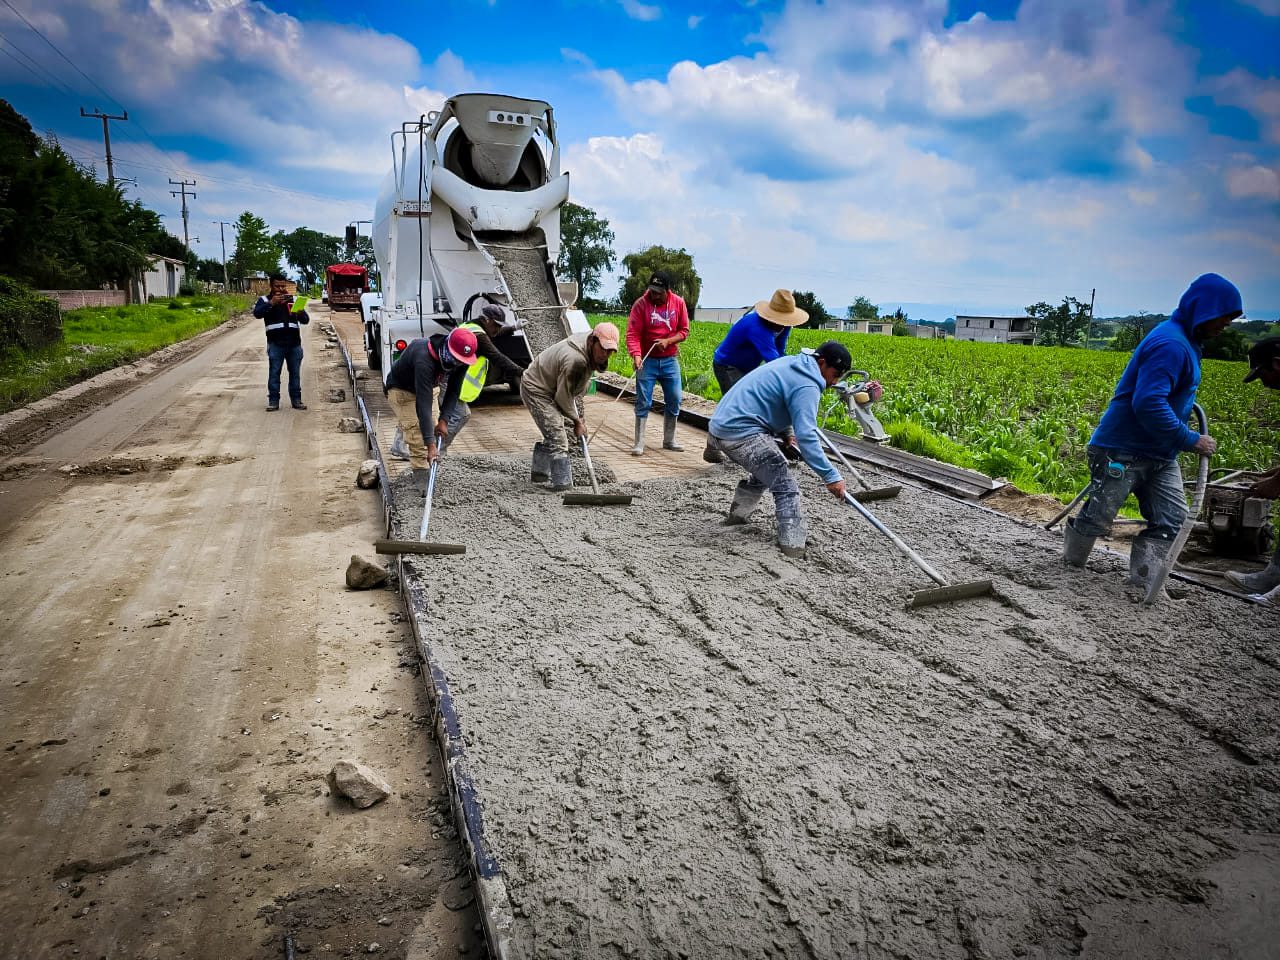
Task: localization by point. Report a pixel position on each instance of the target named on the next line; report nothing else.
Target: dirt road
(181, 664)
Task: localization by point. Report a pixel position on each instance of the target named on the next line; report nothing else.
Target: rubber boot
(443, 445)
(792, 536)
(744, 501)
(1269, 599)
(561, 472)
(420, 479)
(638, 449)
(669, 441)
(1145, 555)
(1075, 546)
(540, 467)
(711, 454)
(399, 449)
(1263, 581)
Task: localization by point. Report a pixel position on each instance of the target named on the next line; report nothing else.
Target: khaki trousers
(405, 406)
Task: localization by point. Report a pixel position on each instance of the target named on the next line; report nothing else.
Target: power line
(49, 77)
(39, 79)
(106, 137)
(55, 49)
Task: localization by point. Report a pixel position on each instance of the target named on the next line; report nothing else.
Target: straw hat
(781, 309)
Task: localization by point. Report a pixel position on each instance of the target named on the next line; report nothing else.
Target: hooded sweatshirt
(773, 397)
(1148, 414)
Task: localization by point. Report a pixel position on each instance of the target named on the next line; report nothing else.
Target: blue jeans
(663, 370)
(1113, 475)
(277, 356)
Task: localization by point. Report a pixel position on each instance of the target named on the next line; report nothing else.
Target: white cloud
(1254, 181)
(694, 20)
(641, 11)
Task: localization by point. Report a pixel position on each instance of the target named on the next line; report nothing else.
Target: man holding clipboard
(283, 317)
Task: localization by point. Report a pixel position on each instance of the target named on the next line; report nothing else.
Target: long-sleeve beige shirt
(561, 373)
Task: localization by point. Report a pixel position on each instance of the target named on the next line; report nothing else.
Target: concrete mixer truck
(470, 215)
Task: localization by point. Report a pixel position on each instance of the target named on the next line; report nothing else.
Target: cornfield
(1021, 413)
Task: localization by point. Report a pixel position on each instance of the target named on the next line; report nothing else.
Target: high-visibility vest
(473, 382)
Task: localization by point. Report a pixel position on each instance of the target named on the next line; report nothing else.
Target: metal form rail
(492, 898)
(954, 481)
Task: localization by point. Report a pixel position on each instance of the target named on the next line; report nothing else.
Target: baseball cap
(462, 344)
(836, 356)
(1261, 354)
(607, 334)
(494, 313)
(659, 282)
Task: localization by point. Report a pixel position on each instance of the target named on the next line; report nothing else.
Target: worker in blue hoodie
(1136, 444)
(772, 398)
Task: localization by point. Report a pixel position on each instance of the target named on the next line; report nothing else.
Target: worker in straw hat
(552, 389)
(1264, 365)
(760, 335)
(768, 400)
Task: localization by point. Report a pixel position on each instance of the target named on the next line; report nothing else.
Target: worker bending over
(760, 335)
(1264, 365)
(438, 361)
(1136, 444)
(552, 388)
(767, 401)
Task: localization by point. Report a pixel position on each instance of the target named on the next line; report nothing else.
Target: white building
(1021, 330)
(883, 325)
(927, 331)
(162, 278)
(720, 314)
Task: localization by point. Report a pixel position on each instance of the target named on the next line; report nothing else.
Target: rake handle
(591, 471)
(897, 541)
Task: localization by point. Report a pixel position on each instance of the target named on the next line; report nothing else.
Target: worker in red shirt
(659, 321)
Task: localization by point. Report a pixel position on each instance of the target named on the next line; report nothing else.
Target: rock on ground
(350, 425)
(337, 395)
(358, 783)
(367, 478)
(363, 575)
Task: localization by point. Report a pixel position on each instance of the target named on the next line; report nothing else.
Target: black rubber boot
(561, 472)
(1075, 546)
(540, 467)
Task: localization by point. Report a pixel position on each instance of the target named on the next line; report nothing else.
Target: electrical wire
(48, 77)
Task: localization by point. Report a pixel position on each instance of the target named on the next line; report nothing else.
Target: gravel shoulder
(689, 745)
(180, 666)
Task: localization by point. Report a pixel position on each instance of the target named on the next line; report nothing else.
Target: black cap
(836, 356)
(1261, 355)
(494, 313)
(660, 280)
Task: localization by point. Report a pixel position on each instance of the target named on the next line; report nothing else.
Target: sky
(949, 156)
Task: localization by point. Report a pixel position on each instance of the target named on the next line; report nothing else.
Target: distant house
(883, 325)
(1020, 330)
(927, 331)
(719, 314)
(162, 278)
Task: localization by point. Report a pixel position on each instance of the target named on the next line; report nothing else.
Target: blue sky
(976, 155)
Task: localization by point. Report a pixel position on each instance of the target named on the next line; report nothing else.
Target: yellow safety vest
(473, 382)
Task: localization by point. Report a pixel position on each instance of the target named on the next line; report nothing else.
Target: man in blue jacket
(1136, 444)
(1264, 366)
(283, 327)
(760, 335)
(767, 401)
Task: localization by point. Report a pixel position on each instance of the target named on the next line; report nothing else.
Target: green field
(1022, 413)
(99, 338)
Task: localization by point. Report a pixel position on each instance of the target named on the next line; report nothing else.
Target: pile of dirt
(689, 745)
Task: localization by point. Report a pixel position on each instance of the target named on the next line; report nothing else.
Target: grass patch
(99, 338)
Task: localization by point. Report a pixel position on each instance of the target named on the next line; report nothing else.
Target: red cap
(462, 344)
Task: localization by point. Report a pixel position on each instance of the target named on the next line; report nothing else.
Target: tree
(209, 270)
(61, 227)
(641, 265)
(310, 251)
(256, 250)
(1230, 344)
(900, 326)
(1060, 326)
(1131, 329)
(585, 251)
(817, 311)
(862, 309)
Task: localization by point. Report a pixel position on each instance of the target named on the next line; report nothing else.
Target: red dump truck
(343, 284)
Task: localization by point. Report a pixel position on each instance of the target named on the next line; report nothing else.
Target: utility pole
(1089, 334)
(106, 137)
(182, 185)
(222, 233)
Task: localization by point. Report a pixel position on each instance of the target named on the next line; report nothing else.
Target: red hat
(462, 344)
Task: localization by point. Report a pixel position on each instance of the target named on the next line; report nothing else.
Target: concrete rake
(945, 591)
(421, 545)
(595, 498)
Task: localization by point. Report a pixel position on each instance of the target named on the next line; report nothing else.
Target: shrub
(27, 320)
